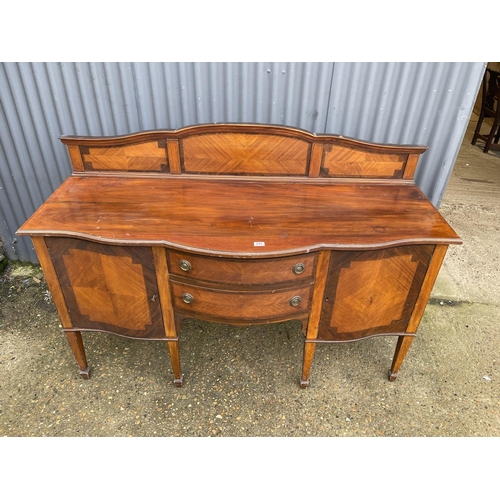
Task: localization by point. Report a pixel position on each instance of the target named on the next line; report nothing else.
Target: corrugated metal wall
(412, 103)
(408, 103)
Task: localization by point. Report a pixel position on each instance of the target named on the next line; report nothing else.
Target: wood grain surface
(372, 292)
(108, 288)
(241, 272)
(240, 218)
(340, 161)
(242, 149)
(209, 303)
(144, 157)
(250, 154)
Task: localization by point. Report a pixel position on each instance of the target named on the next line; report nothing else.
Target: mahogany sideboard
(241, 224)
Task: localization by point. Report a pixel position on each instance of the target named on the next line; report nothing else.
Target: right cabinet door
(372, 292)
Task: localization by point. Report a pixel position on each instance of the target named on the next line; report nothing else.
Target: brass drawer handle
(299, 268)
(187, 298)
(185, 265)
(295, 301)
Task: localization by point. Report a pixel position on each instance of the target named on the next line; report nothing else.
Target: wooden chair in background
(489, 109)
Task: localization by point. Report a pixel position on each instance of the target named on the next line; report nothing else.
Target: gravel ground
(244, 381)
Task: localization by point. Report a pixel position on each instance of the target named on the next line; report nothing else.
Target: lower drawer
(240, 305)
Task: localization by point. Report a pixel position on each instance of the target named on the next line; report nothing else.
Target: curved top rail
(255, 128)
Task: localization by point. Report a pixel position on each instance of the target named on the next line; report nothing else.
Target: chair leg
(478, 128)
(489, 140)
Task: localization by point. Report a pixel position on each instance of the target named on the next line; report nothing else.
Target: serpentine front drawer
(250, 272)
(259, 306)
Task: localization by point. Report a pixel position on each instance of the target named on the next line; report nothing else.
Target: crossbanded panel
(360, 299)
(339, 161)
(145, 157)
(240, 154)
(108, 288)
(372, 292)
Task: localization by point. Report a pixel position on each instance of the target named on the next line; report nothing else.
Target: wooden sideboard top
(240, 217)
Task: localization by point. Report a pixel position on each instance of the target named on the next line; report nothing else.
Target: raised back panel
(348, 161)
(250, 154)
(242, 149)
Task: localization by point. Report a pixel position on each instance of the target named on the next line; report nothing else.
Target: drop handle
(185, 265)
(295, 301)
(187, 298)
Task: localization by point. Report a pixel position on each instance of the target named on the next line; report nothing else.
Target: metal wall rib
(412, 103)
(408, 103)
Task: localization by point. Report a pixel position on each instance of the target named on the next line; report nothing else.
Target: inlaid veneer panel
(340, 161)
(144, 157)
(372, 292)
(108, 287)
(245, 154)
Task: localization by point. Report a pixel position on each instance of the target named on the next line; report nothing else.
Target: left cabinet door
(107, 287)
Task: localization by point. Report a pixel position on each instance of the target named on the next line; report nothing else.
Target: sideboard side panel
(52, 280)
(425, 292)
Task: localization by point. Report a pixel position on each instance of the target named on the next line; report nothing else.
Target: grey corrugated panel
(42, 101)
(425, 103)
(408, 103)
(22, 162)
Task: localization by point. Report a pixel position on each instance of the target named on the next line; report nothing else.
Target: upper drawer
(241, 271)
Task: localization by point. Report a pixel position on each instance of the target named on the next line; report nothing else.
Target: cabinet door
(372, 292)
(108, 287)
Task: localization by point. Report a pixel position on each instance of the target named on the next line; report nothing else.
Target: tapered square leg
(309, 348)
(76, 343)
(173, 349)
(304, 325)
(404, 343)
